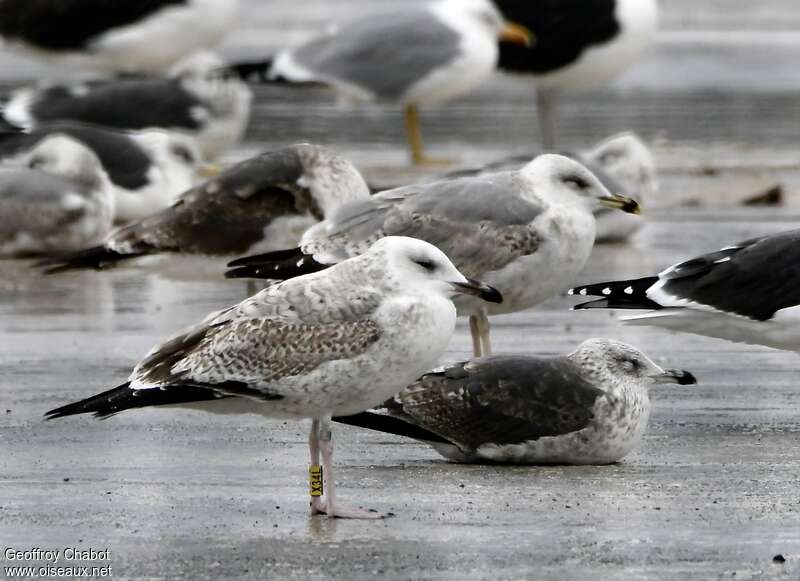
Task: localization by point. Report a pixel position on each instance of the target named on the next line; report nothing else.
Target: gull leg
(548, 124)
(333, 509)
(252, 288)
(484, 328)
(317, 504)
(415, 141)
(476, 335)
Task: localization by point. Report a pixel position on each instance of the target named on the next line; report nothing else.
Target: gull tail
(280, 265)
(390, 425)
(97, 258)
(623, 294)
(123, 398)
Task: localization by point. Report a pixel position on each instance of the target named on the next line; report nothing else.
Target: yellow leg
(415, 141)
(476, 335)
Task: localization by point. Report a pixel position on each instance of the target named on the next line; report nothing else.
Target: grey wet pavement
(175, 494)
(712, 494)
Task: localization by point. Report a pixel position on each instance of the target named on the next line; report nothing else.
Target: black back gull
(148, 169)
(331, 343)
(579, 44)
(127, 36)
(747, 293)
(58, 198)
(264, 203)
(417, 56)
(198, 98)
(589, 407)
(528, 232)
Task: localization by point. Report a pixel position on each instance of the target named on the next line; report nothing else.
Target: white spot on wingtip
(606, 291)
(629, 290)
(300, 263)
(721, 260)
(571, 291)
(583, 292)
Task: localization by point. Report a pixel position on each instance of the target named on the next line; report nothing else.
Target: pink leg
(317, 504)
(332, 508)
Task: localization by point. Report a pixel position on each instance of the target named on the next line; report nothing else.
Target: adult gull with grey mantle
(747, 293)
(527, 232)
(419, 55)
(589, 407)
(336, 342)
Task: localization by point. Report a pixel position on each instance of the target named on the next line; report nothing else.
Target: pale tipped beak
(678, 376)
(517, 34)
(624, 203)
(478, 289)
(209, 170)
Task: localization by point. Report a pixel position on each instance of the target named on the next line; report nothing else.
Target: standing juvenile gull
(331, 343)
(59, 199)
(747, 293)
(261, 204)
(579, 44)
(589, 407)
(417, 56)
(624, 163)
(148, 169)
(527, 232)
(196, 99)
(128, 36)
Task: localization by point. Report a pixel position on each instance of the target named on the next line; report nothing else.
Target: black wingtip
(252, 71)
(95, 258)
(101, 405)
(390, 425)
(280, 265)
(623, 294)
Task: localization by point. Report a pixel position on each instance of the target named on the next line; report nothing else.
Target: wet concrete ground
(712, 494)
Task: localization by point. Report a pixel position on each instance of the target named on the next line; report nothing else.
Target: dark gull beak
(624, 203)
(517, 34)
(678, 376)
(478, 289)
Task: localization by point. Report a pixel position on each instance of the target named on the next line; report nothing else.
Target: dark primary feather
(390, 425)
(622, 294)
(564, 30)
(95, 258)
(127, 103)
(71, 24)
(755, 279)
(279, 265)
(123, 159)
(494, 400)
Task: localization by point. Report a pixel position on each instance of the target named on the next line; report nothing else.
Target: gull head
(174, 154)
(330, 178)
(606, 360)
(61, 155)
(419, 266)
(628, 159)
(486, 15)
(560, 178)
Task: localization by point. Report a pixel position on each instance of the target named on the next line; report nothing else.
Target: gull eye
(182, 152)
(36, 162)
(425, 264)
(575, 182)
(629, 364)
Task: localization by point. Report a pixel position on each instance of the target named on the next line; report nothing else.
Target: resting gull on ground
(196, 99)
(59, 199)
(330, 343)
(417, 56)
(148, 169)
(625, 165)
(747, 293)
(589, 407)
(125, 36)
(579, 44)
(264, 203)
(528, 232)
